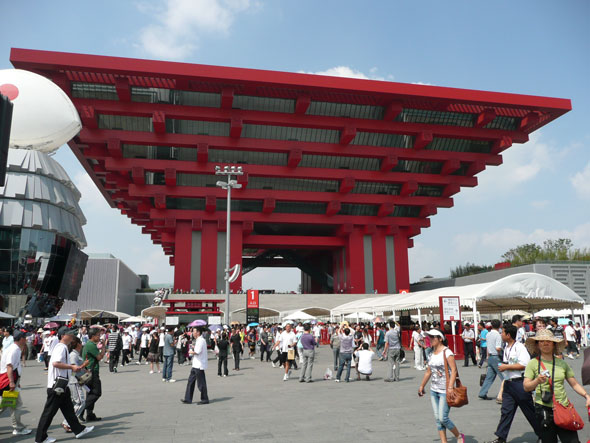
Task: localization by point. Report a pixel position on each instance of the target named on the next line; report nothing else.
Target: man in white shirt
(286, 341)
(468, 336)
(10, 372)
(59, 368)
(516, 357)
(365, 364)
(126, 348)
(200, 363)
(143, 348)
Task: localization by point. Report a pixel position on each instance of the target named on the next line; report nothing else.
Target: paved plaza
(255, 404)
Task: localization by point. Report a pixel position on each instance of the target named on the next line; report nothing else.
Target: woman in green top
(537, 375)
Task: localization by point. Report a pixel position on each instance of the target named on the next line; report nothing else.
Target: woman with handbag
(442, 369)
(546, 375)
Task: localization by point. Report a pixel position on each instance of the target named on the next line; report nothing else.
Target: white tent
(60, 317)
(526, 291)
(5, 315)
(359, 316)
(134, 320)
(99, 313)
(299, 315)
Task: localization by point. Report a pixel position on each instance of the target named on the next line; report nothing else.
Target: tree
(469, 269)
(523, 254)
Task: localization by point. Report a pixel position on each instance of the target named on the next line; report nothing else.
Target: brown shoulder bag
(457, 395)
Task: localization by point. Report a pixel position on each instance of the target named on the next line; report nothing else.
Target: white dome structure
(39, 194)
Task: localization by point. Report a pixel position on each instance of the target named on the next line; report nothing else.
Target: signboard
(171, 321)
(450, 308)
(252, 306)
(404, 291)
(214, 320)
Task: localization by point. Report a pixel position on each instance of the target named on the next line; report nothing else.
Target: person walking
(115, 344)
(223, 346)
(346, 349)
(287, 341)
(516, 358)
(380, 341)
(417, 343)
(197, 374)
(483, 342)
(236, 347)
(392, 351)
(143, 345)
(308, 343)
(92, 353)
(127, 348)
(182, 348)
(77, 392)
(58, 395)
(335, 345)
(153, 352)
(10, 374)
(546, 376)
(169, 344)
(265, 337)
(468, 336)
(161, 344)
(436, 371)
(494, 350)
(570, 336)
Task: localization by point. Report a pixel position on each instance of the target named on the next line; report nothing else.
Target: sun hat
(544, 335)
(435, 333)
(40, 330)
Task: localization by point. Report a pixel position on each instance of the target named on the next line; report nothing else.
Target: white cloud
(540, 204)
(181, 23)
(581, 182)
(92, 200)
(423, 261)
(347, 71)
(521, 164)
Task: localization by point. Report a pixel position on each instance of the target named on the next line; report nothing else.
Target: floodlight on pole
(231, 273)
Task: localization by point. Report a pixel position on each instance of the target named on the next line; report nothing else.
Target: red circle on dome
(9, 90)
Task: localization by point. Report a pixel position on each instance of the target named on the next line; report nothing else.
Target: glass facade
(33, 262)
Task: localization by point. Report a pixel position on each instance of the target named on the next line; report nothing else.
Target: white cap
(435, 333)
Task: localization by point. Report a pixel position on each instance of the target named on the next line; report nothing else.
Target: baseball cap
(435, 333)
(18, 334)
(64, 330)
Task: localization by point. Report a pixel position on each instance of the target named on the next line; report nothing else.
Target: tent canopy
(359, 315)
(526, 291)
(99, 313)
(5, 315)
(154, 312)
(299, 315)
(134, 320)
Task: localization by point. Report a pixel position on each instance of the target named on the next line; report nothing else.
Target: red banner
(252, 302)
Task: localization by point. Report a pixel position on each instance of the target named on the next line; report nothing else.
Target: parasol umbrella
(197, 323)
(253, 324)
(214, 328)
(51, 325)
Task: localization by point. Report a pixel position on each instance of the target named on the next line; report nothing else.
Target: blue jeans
(493, 363)
(345, 359)
(441, 410)
(168, 362)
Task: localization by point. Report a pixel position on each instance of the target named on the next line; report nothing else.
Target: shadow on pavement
(220, 399)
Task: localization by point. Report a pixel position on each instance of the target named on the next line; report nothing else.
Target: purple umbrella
(197, 323)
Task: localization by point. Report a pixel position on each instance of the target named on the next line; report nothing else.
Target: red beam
(261, 145)
(486, 116)
(88, 117)
(140, 109)
(408, 188)
(160, 201)
(170, 176)
(501, 145)
(427, 211)
(268, 205)
(422, 140)
(347, 185)
(530, 120)
(475, 168)
(289, 196)
(385, 209)
(210, 203)
(123, 89)
(302, 104)
(227, 98)
(159, 122)
(294, 158)
(450, 166)
(392, 111)
(333, 207)
(292, 241)
(347, 135)
(202, 152)
(314, 219)
(138, 175)
(236, 127)
(388, 163)
(114, 148)
(285, 171)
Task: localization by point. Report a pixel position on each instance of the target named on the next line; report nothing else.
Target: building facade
(340, 174)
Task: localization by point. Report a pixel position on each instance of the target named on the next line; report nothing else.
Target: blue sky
(537, 47)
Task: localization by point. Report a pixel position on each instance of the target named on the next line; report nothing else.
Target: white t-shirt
(200, 360)
(11, 356)
(570, 333)
(287, 340)
(438, 378)
(126, 342)
(468, 335)
(60, 354)
(144, 340)
(365, 364)
(521, 335)
(513, 354)
(161, 343)
(416, 337)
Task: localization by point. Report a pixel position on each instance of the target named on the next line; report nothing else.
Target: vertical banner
(252, 306)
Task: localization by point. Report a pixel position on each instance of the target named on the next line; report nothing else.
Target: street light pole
(228, 171)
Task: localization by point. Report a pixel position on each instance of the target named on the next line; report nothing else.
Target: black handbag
(60, 385)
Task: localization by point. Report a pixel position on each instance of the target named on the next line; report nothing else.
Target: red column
(355, 263)
(402, 271)
(209, 256)
(379, 262)
(182, 255)
(235, 254)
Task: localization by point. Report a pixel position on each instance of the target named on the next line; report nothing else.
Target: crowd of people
(527, 357)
